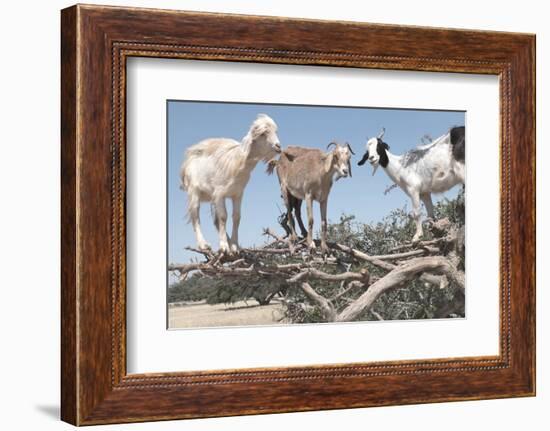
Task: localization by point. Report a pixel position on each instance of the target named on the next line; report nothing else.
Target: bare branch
(350, 287)
(184, 268)
(390, 188)
(362, 276)
(361, 255)
(266, 250)
(407, 254)
(421, 244)
(324, 304)
(269, 232)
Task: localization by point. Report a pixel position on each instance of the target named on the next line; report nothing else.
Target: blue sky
(308, 126)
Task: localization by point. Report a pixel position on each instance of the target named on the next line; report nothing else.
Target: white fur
(427, 169)
(219, 168)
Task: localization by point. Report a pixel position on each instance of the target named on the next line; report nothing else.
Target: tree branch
(401, 274)
(323, 303)
(362, 276)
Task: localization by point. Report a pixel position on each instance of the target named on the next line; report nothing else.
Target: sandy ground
(237, 314)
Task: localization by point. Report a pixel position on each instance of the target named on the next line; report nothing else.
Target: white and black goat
(308, 174)
(427, 169)
(219, 168)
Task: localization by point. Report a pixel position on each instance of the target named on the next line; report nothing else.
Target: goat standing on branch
(432, 168)
(308, 173)
(219, 168)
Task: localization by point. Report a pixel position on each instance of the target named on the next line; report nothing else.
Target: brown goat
(307, 174)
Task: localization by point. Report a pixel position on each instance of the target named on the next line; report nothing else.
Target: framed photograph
(263, 214)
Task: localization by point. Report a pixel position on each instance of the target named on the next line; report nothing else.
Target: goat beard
(374, 168)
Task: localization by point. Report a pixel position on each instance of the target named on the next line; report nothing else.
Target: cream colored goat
(219, 168)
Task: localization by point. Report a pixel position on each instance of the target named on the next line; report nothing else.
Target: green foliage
(453, 209)
(224, 290)
(194, 288)
(233, 290)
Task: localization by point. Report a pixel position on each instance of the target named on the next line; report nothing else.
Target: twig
(350, 287)
(363, 256)
(420, 244)
(377, 315)
(389, 189)
(269, 232)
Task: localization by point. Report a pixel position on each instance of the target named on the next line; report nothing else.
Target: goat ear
(382, 153)
(364, 159)
(258, 130)
(288, 156)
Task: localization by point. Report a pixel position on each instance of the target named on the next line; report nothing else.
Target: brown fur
(307, 174)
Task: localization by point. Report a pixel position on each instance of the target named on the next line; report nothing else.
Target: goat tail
(184, 183)
(271, 165)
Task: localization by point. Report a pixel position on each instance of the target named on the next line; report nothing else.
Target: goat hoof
(204, 246)
(234, 249)
(224, 248)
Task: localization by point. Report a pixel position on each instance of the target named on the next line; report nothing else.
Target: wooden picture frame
(95, 43)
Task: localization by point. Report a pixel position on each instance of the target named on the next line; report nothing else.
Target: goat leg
(415, 198)
(309, 204)
(283, 221)
(194, 216)
(236, 217)
(323, 205)
(220, 220)
(297, 204)
(427, 200)
(287, 199)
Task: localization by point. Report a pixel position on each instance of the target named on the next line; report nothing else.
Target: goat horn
(349, 147)
(382, 133)
(332, 143)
